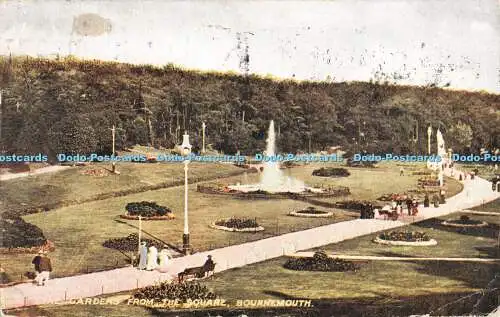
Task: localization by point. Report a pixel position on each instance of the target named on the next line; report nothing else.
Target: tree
(460, 136)
(72, 135)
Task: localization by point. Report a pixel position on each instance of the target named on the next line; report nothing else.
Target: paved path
(475, 193)
(392, 258)
(43, 170)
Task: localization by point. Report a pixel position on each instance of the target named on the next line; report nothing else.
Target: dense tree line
(69, 106)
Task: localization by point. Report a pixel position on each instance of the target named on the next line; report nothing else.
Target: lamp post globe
(186, 150)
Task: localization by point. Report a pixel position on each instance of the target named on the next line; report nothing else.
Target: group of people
(43, 267)
(150, 259)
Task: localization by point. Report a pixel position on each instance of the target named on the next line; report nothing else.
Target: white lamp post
(429, 134)
(203, 126)
(186, 150)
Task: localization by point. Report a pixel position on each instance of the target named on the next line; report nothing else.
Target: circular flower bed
(148, 210)
(19, 236)
(311, 212)
(237, 224)
(96, 172)
(464, 221)
(129, 243)
(320, 262)
(331, 172)
(410, 238)
(172, 291)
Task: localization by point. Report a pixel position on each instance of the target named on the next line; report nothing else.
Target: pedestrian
(408, 205)
(401, 171)
(152, 262)
(143, 254)
(45, 268)
(164, 257)
(36, 262)
(209, 265)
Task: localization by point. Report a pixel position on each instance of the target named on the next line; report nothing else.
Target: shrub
(146, 209)
(331, 172)
(408, 236)
(355, 204)
(238, 223)
(320, 262)
(182, 292)
(17, 233)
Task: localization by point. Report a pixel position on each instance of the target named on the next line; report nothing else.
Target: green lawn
(71, 186)
(452, 242)
(78, 231)
(492, 206)
(417, 287)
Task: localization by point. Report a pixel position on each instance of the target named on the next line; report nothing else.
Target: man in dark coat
(36, 262)
(45, 268)
(209, 265)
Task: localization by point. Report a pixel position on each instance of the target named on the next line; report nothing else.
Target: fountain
(272, 179)
(273, 182)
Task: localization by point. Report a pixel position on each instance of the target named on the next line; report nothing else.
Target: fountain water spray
(272, 179)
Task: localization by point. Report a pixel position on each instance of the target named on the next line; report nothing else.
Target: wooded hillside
(68, 106)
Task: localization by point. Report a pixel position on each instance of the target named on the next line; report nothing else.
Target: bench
(196, 272)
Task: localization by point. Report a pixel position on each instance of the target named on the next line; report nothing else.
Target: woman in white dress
(164, 257)
(152, 258)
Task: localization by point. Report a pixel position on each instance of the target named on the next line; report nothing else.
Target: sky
(453, 43)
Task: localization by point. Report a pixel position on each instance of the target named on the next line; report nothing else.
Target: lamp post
(186, 150)
(429, 134)
(203, 126)
(113, 164)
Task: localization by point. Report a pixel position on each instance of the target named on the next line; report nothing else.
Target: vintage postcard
(250, 158)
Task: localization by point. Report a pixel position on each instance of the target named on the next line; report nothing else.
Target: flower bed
(96, 172)
(331, 172)
(17, 233)
(408, 238)
(311, 212)
(422, 173)
(464, 221)
(426, 181)
(129, 243)
(237, 224)
(148, 210)
(174, 291)
(320, 262)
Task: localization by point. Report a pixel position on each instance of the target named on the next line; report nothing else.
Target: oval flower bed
(311, 212)
(464, 222)
(237, 224)
(405, 238)
(331, 172)
(148, 210)
(320, 261)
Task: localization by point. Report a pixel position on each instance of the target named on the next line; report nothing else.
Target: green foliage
(43, 99)
(237, 223)
(146, 209)
(320, 262)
